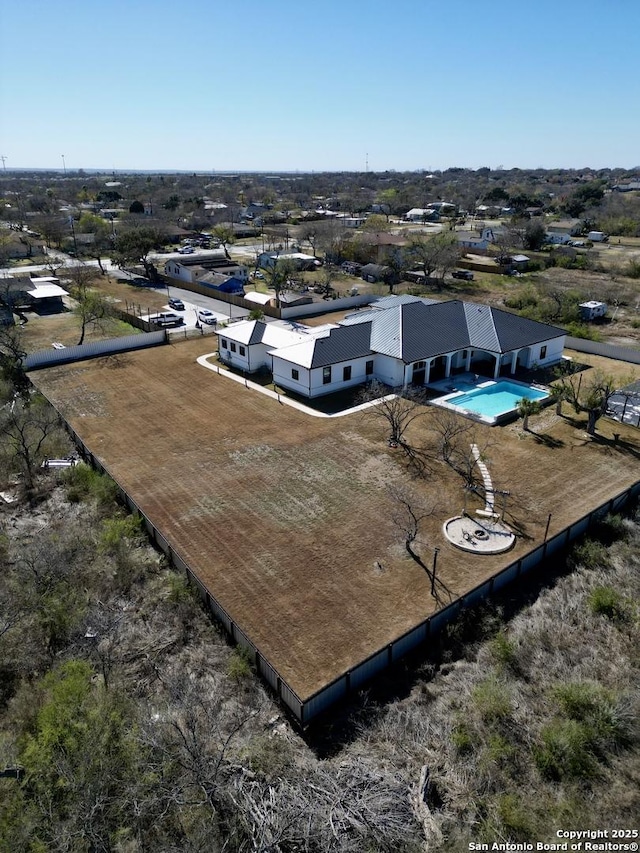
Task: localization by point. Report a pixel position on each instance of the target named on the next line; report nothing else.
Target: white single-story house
(422, 214)
(267, 260)
(401, 340)
(192, 269)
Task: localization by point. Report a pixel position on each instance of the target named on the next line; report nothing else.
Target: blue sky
(319, 84)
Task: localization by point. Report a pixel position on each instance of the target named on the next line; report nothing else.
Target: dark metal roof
(514, 331)
(415, 330)
(342, 344)
(257, 333)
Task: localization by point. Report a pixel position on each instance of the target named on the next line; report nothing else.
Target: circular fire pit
(465, 533)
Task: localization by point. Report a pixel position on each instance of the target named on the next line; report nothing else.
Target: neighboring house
(43, 294)
(349, 221)
(192, 269)
(267, 260)
(443, 207)
(422, 214)
(376, 272)
(223, 283)
(472, 240)
(478, 241)
(592, 310)
(400, 340)
(571, 227)
(631, 186)
(16, 245)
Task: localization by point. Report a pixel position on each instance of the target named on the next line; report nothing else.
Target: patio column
(467, 362)
(496, 372)
(427, 371)
(447, 370)
(514, 360)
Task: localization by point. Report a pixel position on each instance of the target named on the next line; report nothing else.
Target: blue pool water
(497, 399)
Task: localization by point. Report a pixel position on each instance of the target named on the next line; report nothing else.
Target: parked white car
(206, 316)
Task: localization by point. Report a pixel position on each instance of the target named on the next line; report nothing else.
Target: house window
(346, 373)
(369, 368)
(543, 352)
(326, 375)
(243, 351)
(295, 374)
(223, 343)
(232, 347)
(464, 353)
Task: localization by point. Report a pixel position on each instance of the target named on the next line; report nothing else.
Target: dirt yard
(288, 519)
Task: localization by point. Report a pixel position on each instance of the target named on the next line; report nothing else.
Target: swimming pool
(493, 400)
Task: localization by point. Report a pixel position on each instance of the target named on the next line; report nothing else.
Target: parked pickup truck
(467, 275)
(166, 319)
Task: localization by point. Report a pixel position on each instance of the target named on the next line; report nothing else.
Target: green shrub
(239, 666)
(84, 483)
(525, 298)
(462, 739)
(590, 726)
(565, 751)
(582, 330)
(591, 554)
(632, 269)
(179, 589)
(119, 532)
(606, 601)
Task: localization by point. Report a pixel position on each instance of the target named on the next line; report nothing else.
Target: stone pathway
(489, 494)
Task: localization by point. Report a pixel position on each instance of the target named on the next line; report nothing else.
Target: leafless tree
(398, 409)
(591, 396)
(26, 425)
(408, 512)
(91, 307)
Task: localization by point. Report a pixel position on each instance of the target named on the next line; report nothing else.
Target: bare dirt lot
(287, 518)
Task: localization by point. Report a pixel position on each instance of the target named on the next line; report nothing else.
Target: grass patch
(492, 700)
(83, 483)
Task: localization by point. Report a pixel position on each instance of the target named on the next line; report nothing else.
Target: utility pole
(3, 158)
(64, 165)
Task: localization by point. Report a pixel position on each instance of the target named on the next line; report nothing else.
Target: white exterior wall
(234, 358)
(358, 376)
(175, 270)
(310, 382)
(388, 370)
(554, 346)
(281, 370)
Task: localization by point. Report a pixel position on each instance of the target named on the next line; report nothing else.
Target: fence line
(111, 346)
(306, 710)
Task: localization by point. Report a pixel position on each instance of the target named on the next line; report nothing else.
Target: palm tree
(527, 407)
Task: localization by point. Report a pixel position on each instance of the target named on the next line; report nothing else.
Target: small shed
(592, 310)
